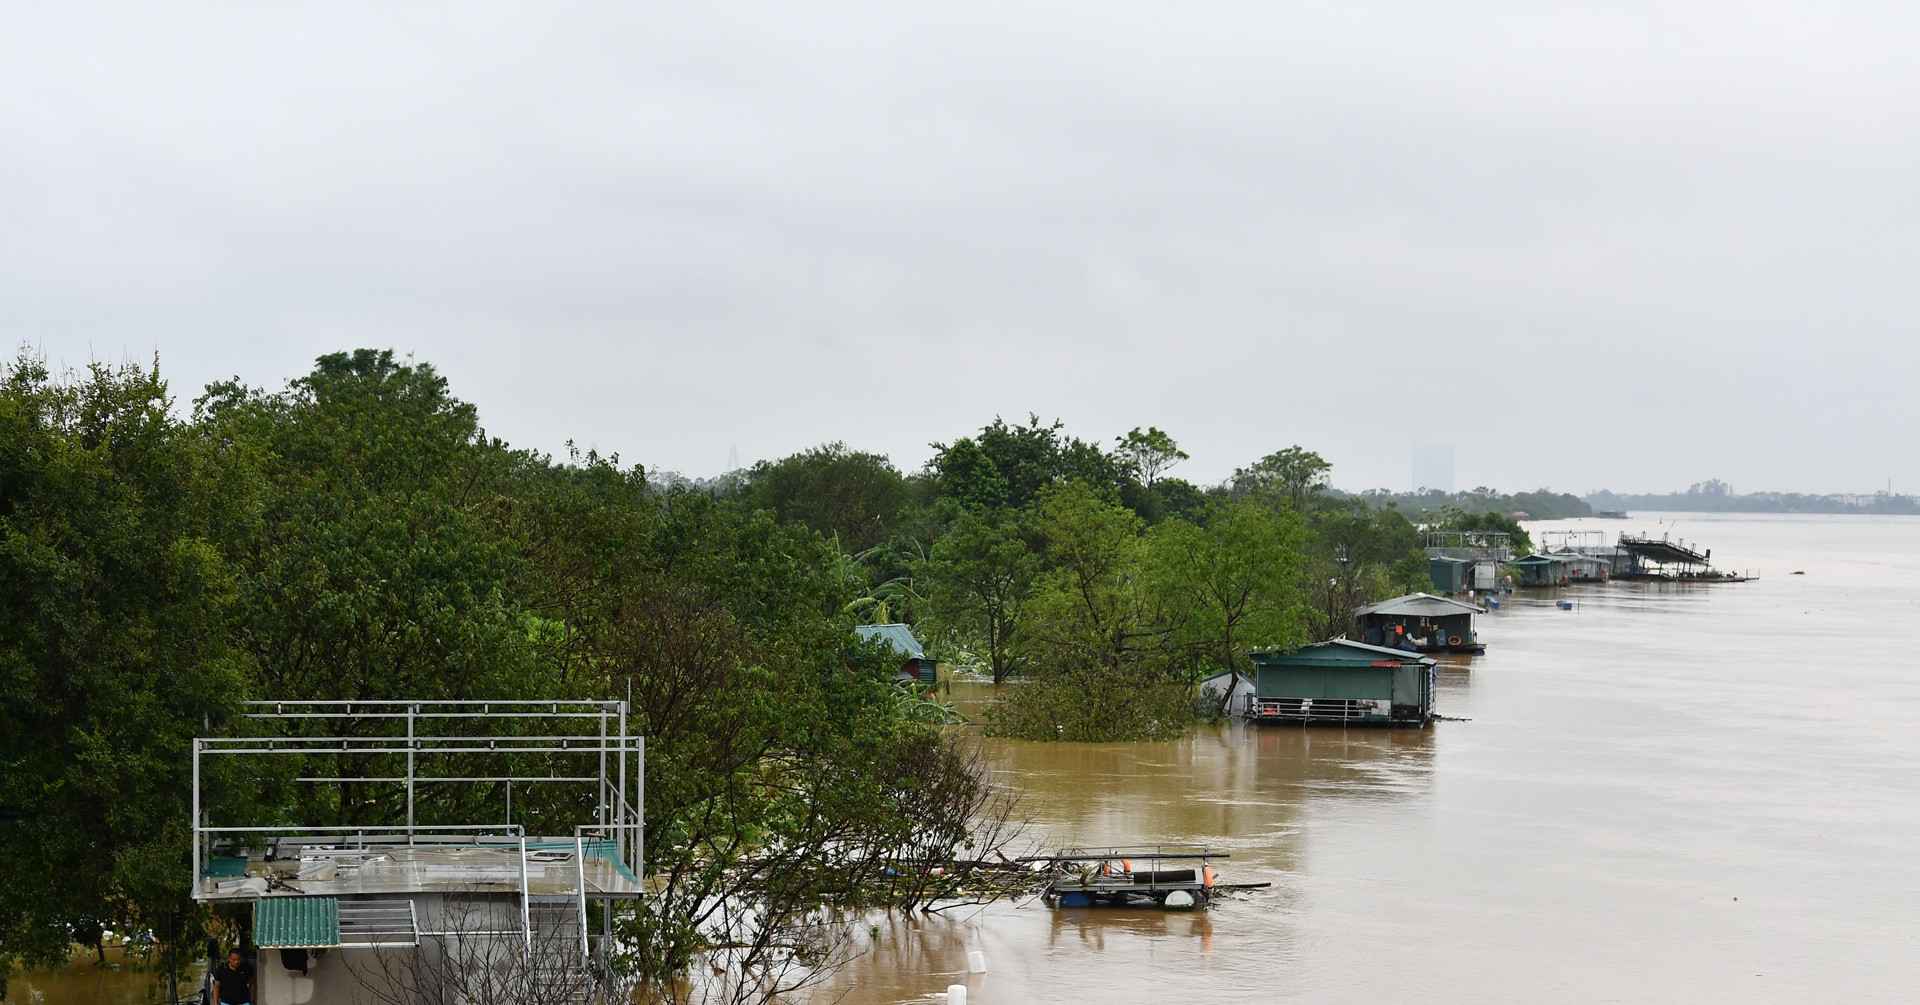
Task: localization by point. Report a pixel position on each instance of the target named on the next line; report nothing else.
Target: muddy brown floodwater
(1668, 794)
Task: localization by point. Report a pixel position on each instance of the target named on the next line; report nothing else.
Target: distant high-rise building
(1432, 467)
(733, 458)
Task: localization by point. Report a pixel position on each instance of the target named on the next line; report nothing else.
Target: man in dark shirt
(233, 983)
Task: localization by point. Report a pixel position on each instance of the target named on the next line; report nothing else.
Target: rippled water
(1669, 793)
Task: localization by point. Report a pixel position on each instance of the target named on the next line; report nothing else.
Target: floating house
(1451, 575)
(423, 908)
(1483, 552)
(1543, 570)
(1582, 568)
(1421, 622)
(1343, 683)
(915, 667)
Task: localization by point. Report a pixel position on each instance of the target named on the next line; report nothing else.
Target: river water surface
(1670, 793)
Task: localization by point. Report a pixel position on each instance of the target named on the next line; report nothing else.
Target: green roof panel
(296, 922)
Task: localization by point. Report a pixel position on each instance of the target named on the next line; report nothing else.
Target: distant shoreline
(1879, 503)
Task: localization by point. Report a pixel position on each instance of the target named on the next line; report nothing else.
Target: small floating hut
(1543, 570)
(1421, 622)
(1343, 683)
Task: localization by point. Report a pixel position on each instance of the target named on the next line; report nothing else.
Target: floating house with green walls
(1451, 575)
(1343, 683)
(1543, 570)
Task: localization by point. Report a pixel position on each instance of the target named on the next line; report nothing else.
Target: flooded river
(1669, 793)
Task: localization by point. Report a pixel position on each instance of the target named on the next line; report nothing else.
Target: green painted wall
(1409, 684)
(1330, 682)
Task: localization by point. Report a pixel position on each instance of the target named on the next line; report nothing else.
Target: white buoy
(956, 994)
(976, 962)
(1179, 898)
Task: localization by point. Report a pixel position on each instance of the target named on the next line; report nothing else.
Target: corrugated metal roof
(1344, 651)
(900, 637)
(1421, 605)
(296, 922)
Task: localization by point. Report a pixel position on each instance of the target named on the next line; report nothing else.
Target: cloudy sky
(1609, 245)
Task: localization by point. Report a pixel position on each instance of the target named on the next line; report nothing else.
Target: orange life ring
(1453, 640)
(1206, 875)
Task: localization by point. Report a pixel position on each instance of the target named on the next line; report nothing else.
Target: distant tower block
(733, 458)
(1432, 467)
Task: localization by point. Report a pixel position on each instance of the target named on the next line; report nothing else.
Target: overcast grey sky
(1609, 245)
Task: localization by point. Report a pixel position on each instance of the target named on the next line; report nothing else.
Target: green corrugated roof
(296, 922)
(1339, 653)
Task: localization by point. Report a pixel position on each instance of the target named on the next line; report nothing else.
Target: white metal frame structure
(617, 815)
(584, 743)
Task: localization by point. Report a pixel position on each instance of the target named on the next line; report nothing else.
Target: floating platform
(1172, 877)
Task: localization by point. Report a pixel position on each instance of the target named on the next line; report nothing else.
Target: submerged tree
(1235, 583)
(981, 575)
(1102, 640)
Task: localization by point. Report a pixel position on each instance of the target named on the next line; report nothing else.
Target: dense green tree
(968, 476)
(772, 736)
(371, 569)
(846, 494)
(1179, 498)
(1294, 476)
(1234, 582)
(1025, 458)
(1028, 457)
(1146, 455)
(1102, 640)
(114, 652)
(980, 575)
(1358, 555)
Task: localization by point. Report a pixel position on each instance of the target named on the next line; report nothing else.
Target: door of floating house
(1344, 683)
(915, 667)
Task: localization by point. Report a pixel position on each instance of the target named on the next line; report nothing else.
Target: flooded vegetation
(1669, 793)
